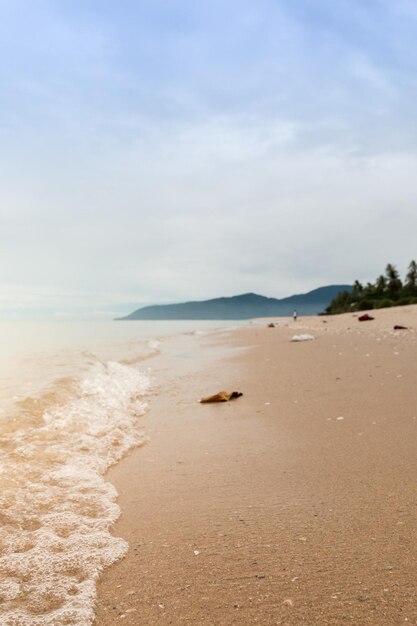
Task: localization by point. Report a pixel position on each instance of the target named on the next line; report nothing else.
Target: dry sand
(295, 504)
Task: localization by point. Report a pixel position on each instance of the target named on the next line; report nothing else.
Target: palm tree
(381, 285)
(357, 289)
(394, 285)
(411, 278)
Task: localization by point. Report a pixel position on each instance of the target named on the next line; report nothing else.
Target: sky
(156, 151)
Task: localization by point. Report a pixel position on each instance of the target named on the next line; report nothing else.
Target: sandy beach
(294, 504)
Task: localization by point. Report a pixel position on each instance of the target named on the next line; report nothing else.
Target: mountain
(245, 306)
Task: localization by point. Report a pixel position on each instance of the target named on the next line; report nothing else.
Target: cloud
(197, 218)
(166, 153)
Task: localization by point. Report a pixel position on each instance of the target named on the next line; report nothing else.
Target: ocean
(71, 399)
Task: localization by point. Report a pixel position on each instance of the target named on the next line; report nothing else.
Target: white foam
(57, 509)
(154, 344)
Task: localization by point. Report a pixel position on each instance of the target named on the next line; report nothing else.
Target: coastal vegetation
(387, 290)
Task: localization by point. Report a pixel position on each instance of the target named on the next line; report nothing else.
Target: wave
(56, 508)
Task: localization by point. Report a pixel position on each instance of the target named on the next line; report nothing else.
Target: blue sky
(160, 151)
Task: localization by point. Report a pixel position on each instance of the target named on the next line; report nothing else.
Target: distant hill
(245, 306)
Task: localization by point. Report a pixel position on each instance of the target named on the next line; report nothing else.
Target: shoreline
(271, 509)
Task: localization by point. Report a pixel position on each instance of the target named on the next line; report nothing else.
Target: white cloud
(220, 212)
(363, 68)
(205, 157)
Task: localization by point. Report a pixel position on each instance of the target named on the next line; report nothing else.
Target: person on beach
(294, 315)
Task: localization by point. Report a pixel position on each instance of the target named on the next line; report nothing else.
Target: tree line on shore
(388, 290)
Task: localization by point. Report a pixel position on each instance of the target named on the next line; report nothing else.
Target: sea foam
(56, 508)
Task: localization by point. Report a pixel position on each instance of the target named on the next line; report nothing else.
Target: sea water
(71, 398)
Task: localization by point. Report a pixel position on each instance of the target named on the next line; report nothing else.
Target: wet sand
(295, 504)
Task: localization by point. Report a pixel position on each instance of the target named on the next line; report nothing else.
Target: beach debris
(271, 325)
(221, 396)
(302, 338)
(399, 327)
(196, 552)
(288, 602)
(365, 318)
(340, 418)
